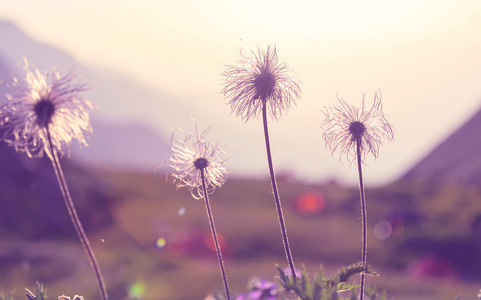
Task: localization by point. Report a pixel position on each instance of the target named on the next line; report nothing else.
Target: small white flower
(46, 104)
(258, 79)
(194, 156)
(347, 127)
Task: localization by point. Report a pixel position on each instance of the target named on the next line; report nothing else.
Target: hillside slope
(458, 158)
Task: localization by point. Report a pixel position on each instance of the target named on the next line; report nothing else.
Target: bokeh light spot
(397, 227)
(136, 290)
(209, 241)
(161, 243)
(383, 230)
(310, 203)
(181, 211)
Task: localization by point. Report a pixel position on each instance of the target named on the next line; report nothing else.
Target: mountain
(117, 96)
(16, 45)
(131, 146)
(5, 72)
(457, 159)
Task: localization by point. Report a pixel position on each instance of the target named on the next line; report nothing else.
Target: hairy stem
(214, 236)
(75, 219)
(363, 215)
(280, 215)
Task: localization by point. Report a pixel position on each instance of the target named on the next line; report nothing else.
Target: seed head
(346, 126)
(258, 79)
(192, 156)
(45, 102)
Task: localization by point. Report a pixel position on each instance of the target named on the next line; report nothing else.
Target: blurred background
(153, 66)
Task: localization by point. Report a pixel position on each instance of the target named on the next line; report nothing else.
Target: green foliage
(40, 293)
(321, 288)
(8, 296)
(372, 294)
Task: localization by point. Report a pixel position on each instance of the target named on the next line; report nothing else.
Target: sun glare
(336, 19)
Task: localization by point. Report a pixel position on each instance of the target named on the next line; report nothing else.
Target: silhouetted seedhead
(346, 127)
(44, 110)
(264, 84)
(192, 156)
(201, 163)
(357, 129)
(260, 79)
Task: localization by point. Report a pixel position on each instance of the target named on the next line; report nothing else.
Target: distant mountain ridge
(16, 45)
(456, 159)
(131, 146)
(128, 145)
(5, 77)
(120, 139)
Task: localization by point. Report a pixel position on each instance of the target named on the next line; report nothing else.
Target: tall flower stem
(280, 215)
(75, 219)
(363, 214)
(214, 235)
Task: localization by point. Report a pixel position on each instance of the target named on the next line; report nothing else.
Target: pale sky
(424, 56)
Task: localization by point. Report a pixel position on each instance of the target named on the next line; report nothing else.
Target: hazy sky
(424, 56)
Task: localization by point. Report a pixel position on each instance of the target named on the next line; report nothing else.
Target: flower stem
(280, 215)
(75, 219)
(363, 215)
(214, 235)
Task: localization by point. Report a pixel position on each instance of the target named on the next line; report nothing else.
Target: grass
(145, 208)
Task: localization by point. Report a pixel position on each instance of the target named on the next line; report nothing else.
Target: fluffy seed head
(44, 102)
(346, 126)
(259, 78)
(193, 155)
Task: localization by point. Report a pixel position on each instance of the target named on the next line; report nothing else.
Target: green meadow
(423, 239)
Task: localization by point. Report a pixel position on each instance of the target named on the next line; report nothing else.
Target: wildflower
(357, 132)
(47, 106)
(348, 127)
(199, 165)
(258, 79)
(44, 116)
(193, 159)
(260, 84)
(260, 289)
